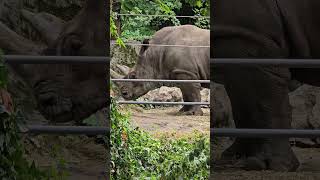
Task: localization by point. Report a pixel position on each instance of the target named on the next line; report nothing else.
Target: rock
(124, 56)
(305, 104)
(171, 94)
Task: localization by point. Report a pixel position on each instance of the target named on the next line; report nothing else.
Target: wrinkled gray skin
(181, 63)
(259, 95)
(67, 92)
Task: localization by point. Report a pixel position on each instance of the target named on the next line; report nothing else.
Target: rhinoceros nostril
(125, 93)
(47, 99)
(50, 101)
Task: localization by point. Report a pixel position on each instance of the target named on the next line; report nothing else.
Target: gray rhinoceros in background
(65, 92)
(176, 63)
(259, 95)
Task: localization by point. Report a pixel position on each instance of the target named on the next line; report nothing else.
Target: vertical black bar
(211, 85)
(108, 158)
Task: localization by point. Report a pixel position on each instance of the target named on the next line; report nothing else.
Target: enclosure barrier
(163, 103)
(22, 59)
(88, 130)
(161, 15)
(264, 133)
(162, 45)
(302, 63)
(161, 80)
(292, 63)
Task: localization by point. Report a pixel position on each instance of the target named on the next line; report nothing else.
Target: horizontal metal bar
(162, 45)
(22, 59)
(88, 130)
(163, 103)
(264, 133)
(163, 15)
(161, 80)
(292, 63)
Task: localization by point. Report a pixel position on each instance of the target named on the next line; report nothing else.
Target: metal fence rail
(161, 80)
(163, 103)
(22, 59)
(264, 133)
(88, 130)
(164, 81)
(293, 63)
(161, 15)
(218, 132)
(162, 45)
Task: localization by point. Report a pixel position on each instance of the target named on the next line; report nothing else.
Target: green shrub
(136, 154)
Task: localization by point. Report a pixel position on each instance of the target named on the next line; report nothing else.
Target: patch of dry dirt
(82, 158)
(161, 121)
(308, 170)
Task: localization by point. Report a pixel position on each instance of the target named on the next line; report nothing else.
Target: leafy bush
(141, 27)
(134, 153)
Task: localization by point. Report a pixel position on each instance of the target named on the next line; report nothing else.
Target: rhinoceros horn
(115, 75)
(123, 69)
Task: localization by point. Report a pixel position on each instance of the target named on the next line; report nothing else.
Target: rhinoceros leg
(261, 100)
(190, 93)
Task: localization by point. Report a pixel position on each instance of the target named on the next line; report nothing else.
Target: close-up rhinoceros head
(74, 91)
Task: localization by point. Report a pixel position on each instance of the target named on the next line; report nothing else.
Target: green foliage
(58, 170)
(135, 154)
(13, 164)
(113, 30)
(142, 27)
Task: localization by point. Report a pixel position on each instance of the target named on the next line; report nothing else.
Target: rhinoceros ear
(144, 47)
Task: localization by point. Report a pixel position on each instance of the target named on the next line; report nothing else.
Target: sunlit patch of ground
(165, 121)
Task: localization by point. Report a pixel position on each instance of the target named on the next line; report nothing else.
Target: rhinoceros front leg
(190, 93)
(261, 101)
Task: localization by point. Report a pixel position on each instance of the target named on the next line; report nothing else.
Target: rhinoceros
(175, 63)
(259, 95)
(65, 92)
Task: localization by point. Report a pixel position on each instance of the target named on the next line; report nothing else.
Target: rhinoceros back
(194, 60)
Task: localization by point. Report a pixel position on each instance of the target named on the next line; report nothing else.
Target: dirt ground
(84, 159)
(78, 156)
(308, 170)
(165, 121)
